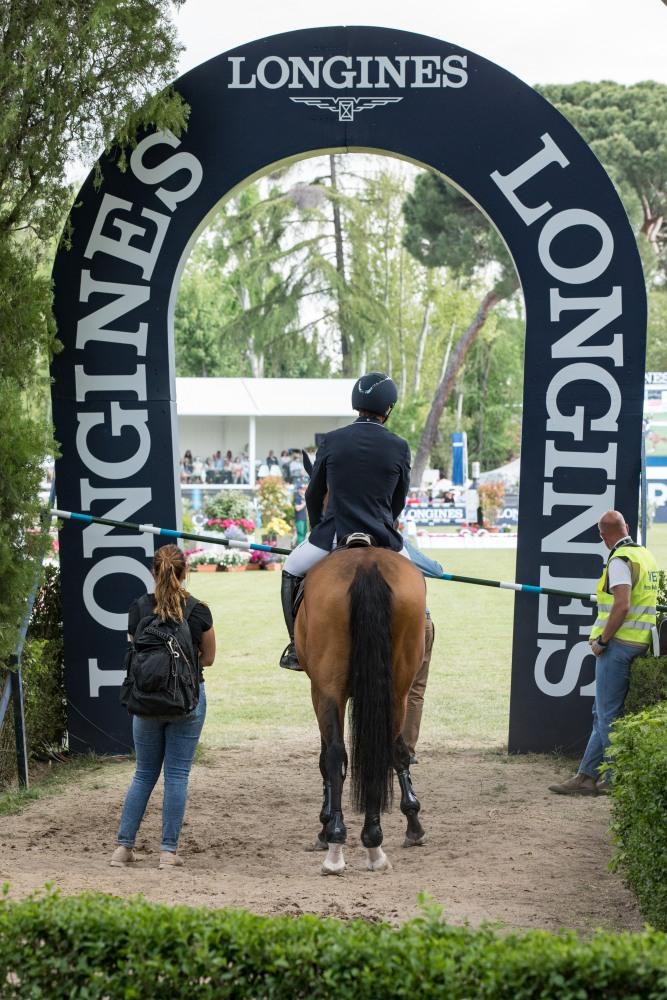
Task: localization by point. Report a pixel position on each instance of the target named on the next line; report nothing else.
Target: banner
(364, 89)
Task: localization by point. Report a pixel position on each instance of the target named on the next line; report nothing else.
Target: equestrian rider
(364, 471)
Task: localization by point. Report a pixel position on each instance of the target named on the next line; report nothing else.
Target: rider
(364, 471)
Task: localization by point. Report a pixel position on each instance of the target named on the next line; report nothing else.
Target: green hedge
(648, 683)
(639, 807)
(42, 666)
(95, 946)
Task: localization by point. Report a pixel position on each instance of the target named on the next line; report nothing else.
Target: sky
(540, 42)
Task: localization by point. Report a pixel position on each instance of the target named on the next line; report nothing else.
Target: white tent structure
(258, 414)
(507, 474)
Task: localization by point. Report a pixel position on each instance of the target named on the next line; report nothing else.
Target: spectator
(296, 469)
(271, 460)
(300, 514)
(157, 742)
(627, 594)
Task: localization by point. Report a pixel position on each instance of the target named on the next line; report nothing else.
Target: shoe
(580, 784)
(122, 857)
(603, 786)
(289, 660)
(169, 859)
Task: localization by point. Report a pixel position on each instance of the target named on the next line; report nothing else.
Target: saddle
(355, 540)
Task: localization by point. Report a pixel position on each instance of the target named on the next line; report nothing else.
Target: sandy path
(501, 847)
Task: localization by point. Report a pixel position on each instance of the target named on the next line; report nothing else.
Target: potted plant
(204, 562)
(232, 561)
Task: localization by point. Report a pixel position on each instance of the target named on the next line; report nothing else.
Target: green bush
(42, 667)
(96, 946)
(648, 683)
(639, 807)
(230, 504)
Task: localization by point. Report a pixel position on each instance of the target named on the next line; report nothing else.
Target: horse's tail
(371, 690)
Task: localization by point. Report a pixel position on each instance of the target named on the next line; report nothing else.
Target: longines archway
(363, 89)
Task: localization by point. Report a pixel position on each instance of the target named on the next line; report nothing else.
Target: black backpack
(162, 668)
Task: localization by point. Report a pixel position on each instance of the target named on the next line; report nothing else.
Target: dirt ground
(500, 847)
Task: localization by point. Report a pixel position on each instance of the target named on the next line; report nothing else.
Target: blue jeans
(156, 743)
(612, 677)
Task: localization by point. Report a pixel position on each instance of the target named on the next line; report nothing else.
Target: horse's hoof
(378, 860)
(332, 867)
(380, 866)
(320, 845)
(334, 863)
(415, 841)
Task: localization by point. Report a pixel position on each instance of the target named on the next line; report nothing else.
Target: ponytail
(169, 569)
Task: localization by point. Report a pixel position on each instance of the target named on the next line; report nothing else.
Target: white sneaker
(169, 859)
(122, 857)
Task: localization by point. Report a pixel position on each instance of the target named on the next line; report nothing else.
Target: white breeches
(307, 555)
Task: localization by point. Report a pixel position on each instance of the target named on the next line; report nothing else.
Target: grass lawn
(468, 695)
(467, 701)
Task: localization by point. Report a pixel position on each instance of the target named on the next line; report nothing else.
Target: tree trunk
(652, 225)
(421, 344)
(430, 431)
(485, 385)
(345, 339)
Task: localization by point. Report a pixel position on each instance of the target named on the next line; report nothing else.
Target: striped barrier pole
(152, 529)
(524, 588)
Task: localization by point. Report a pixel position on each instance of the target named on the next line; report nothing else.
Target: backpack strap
(146, 605)
(190, 605)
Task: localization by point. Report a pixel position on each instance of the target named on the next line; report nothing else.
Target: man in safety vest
(627, 594)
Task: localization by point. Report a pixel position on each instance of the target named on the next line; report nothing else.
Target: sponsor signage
(436, 515)
(366, 89)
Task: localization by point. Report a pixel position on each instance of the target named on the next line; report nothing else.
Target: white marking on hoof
(419, 842)
(334, 863)
(377, 860)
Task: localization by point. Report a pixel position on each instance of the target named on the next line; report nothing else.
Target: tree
(443, 228)
(74, 76)
(626, 127)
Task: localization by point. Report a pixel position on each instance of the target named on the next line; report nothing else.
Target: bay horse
(359, 636)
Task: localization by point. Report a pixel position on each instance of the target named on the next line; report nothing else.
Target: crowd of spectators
(235, 470)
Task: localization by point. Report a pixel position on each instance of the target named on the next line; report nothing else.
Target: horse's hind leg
(325, 811)
(333, 764)
(410, 805)
(371, 838)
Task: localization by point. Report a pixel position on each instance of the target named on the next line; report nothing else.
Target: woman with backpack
(172, 619)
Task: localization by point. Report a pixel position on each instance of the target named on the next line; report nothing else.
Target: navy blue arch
(574, 252)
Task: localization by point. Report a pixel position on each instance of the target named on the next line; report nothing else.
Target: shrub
(273, 501)
(228, 505)
(648, 683)
(491, 497)
(102, 946)
(639, 807)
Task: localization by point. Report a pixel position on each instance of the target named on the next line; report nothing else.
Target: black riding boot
(288, 587)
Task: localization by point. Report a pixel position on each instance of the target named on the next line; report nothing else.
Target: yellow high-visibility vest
(643, 597)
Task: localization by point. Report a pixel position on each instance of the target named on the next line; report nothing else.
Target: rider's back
(365, 469)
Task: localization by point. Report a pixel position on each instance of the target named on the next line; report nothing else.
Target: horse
(359, 636)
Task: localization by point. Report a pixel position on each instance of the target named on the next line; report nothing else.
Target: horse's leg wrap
(409, 801)
(371, 835)
(325, 811)
(410, 804)
(336, 766)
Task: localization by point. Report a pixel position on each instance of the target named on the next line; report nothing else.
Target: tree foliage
(74, 75)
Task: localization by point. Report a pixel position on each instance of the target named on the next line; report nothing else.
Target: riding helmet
(375, 392)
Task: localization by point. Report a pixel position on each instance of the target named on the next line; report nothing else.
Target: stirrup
(289, 659)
